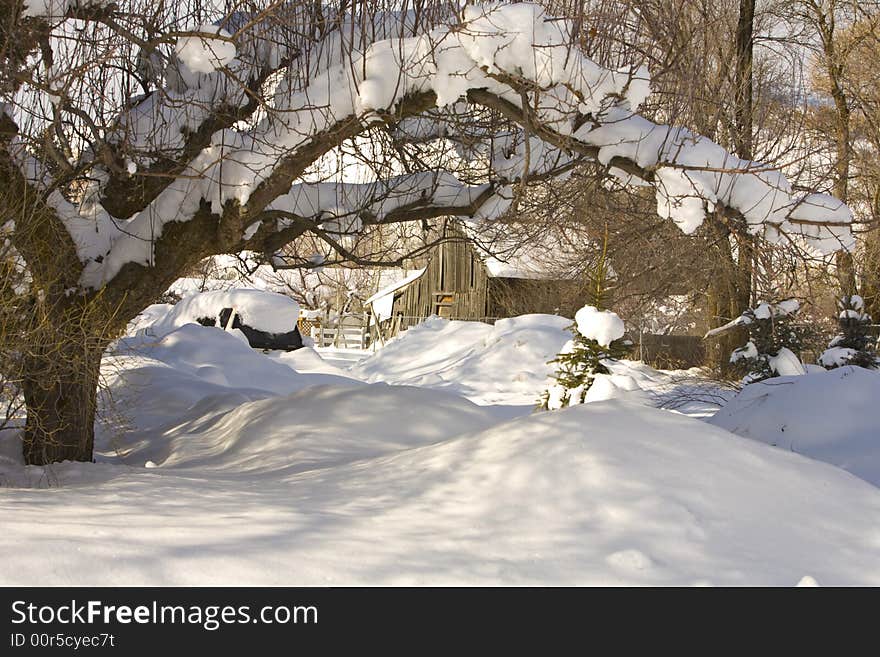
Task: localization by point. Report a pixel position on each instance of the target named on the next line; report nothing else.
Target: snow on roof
(397, 285)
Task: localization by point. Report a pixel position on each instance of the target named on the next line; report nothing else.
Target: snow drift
(157, 380)
(607, 493)
(830, 416)
(507, 363)
(293, 433)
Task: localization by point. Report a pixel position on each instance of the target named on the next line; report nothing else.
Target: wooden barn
(462, 280)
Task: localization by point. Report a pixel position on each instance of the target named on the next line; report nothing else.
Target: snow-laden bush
(597, 336)
(853, 345)
(774, 342)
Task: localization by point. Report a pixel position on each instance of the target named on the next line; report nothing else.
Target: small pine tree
(581, 359)
(774, 341)
(853, 345)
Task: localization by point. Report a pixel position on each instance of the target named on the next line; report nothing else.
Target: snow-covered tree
(138, 138)
(853, 345)
(773, 343)
(597, 336)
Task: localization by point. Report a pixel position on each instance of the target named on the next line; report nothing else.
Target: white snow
(259, 309)
(158, 379)
(857, 302)
(268, 492)
(228, 466)
(836, 356)
(202, 53)
(616, 386)
(556, 397)
(383, 301)
(749, 350)
(787, 307)
(507, 363)
(603, 326)
(786, 363)
(830, 416)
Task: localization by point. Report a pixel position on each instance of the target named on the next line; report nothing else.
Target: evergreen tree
(853, 345)
(597, 335)
(774, 341)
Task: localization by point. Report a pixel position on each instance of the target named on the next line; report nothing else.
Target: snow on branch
(213, 68)
(693, 176)
(512, 58)
(377, 200)
(441, 64)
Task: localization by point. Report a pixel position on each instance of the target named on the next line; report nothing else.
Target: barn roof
(397, 285)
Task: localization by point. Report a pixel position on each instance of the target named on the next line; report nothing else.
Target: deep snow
(507, 363)
(608, 493)
(831, 416)
(222, 465)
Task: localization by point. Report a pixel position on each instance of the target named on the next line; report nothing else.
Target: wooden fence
(669, 352)
(346, 337)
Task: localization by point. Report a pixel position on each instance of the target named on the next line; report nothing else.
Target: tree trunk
(731, 287)
(744, 43)
(60, 388)
(834, 68)
(728, 297)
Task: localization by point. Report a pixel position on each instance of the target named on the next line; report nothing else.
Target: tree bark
(731, 289)
(743, 117)
(727, 299)
(60, 381)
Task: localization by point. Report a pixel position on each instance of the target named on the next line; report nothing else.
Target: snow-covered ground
(831, 416)
(219, 464)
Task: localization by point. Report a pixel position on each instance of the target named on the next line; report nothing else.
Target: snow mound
(266, 311)
(158, 380)
(148, 316)
(318, 427)
(503, 364)
(830, 416)
(599, 494)
(307, 361)
(616, 386)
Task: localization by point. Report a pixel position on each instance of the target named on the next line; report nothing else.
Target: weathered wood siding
(455, 284)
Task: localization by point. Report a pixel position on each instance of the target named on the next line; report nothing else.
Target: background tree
(845, 60)
(853, 345)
